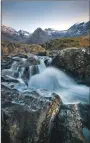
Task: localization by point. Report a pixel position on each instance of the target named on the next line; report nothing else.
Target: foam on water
(51, 79)
(57, 81)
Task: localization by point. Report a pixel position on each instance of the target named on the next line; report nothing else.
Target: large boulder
(72, 125)
(75, 61)
(28, 117)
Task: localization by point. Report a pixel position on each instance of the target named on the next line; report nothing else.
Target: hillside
(61, 43)
(8, 48)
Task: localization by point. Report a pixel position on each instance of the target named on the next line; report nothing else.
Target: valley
(45, 85)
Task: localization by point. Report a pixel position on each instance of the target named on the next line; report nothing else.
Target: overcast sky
(58, 15)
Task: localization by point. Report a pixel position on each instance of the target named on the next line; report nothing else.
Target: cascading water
(57, 81)
(52, 79)
(41, 66)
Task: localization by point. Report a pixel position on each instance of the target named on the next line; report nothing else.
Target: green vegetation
(61, 43)
(8, 48)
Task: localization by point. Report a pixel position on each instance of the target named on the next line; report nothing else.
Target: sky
(29, 15)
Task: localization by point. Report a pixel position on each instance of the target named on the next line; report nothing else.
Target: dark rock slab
(28, 117)
(72, 125)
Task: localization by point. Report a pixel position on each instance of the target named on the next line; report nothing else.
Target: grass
(61, 43)
(8, 48)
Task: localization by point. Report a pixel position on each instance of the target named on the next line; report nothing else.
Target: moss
(12, 129)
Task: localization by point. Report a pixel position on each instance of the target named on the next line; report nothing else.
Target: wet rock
(21, 56)
(22, 61)
(8, 79)
(6, 62)
(29, 72)
(28, 62)
(28, 117)
(87, 74)
(16, 68)
(26, 75)
(72, 125)
(41, 53)
(46, 62)
(75, 61)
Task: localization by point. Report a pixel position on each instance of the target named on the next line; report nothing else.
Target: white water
(57, 81)
(41, 66)
(53, 80)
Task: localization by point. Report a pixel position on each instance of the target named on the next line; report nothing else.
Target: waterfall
(34, 70)
(48, 78)
(57, 81)
(51, 77)
(41, 66)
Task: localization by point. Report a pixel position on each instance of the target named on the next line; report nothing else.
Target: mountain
(10, 34)
(78, 29)
(55, 33)
(38, 37)
(23, 33)
(41, 36)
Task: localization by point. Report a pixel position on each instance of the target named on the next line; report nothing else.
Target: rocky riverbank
(32, 115)
(28, 117)
(40, 117)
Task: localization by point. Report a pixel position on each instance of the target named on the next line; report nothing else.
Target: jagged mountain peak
(23, 33)
(39, 30)
(40, 36)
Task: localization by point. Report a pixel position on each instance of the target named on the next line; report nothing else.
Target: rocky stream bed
(42, 104)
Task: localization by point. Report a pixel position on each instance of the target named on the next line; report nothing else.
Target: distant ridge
(40, 36)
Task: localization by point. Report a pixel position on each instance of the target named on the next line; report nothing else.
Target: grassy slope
(61, 43)
(8, 48)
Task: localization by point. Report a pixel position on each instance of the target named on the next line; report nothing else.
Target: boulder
(72, 125)
(6, 62)
(75, 61)
(22, 61)
(41, 53)
(28, 117)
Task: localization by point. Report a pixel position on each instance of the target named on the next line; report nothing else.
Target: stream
(49, 78)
